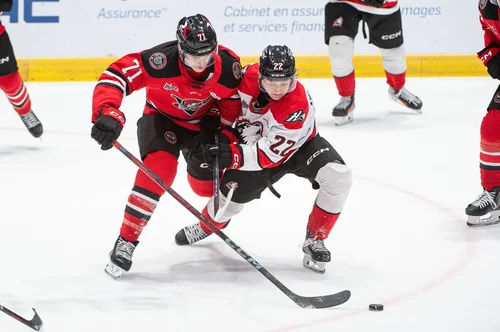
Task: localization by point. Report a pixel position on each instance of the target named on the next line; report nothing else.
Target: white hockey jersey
(389, 7)
(274, 132)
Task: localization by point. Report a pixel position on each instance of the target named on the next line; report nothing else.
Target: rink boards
(316, 66)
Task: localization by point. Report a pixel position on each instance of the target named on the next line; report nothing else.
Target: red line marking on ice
(439, 280)
(442, 278)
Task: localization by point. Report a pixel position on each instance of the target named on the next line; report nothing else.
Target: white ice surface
(401, 241)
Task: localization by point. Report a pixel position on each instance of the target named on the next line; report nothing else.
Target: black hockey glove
(491, 59)
(6, 5)
(208, 126)
(108, 127)
(230, 155)
(375, 3)
(195, 154)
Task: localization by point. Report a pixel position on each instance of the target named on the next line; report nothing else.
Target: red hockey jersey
(489, 17)
(389, 7)
(275, 131)
(170, 90)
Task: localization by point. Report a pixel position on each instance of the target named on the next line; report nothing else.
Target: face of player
(198, 63)
(276, 89)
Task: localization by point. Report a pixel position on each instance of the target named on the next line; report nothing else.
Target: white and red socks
(17, 94)
(316, 255)
(343, 112)
(400, 94)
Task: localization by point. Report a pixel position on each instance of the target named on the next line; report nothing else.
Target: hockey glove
(375, 3)
(6, 5)
(230, 155)
(108, 127)
(491, 59)
(229, 135)
(208, 126)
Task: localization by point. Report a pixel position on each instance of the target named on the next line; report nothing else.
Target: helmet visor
(198, 62)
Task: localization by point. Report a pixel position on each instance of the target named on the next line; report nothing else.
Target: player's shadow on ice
(211, 262)
(458, 231)
(379, 122)
(6, 151)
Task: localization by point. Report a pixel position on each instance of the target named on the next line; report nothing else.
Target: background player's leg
(341, 27)
(485, 210)
(14, 88)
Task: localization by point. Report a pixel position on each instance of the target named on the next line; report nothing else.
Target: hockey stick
(35, 323)
(216, 179)
(324, 301)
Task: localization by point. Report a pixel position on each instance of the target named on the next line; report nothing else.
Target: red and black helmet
(196, 35)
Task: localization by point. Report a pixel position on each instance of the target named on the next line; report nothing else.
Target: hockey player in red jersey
(190, 85)
(11, 82)
(276, 135)
(383, 18)
(485, 210)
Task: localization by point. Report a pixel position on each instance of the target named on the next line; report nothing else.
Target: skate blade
(342, 120)
(113, 271)
(318, 267)
(489, 219)
(419, 110)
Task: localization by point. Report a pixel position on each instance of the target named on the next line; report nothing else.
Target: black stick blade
(326, 301)
(36, 321)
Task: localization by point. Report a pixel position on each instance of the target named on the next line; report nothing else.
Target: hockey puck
(376, 307)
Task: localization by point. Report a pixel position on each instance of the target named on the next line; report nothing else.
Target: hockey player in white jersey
(276, 135)
(383, 18)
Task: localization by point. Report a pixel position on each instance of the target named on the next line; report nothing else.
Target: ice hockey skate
(484, 210)
(190, 235)
(406, 98)
(343, 111)
(32, 123)
(120, 257)
(315, 254)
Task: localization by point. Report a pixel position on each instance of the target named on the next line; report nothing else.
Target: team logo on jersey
(237, 70)
(190, 105)
(170, 137)
(338, 22)
(169, 86)
(297, 116)
(242, 124)
(250, 132)
(496, 99)
(482, 3)
(158, 60)
(244, 103)
(215, 96)
(256, 108)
